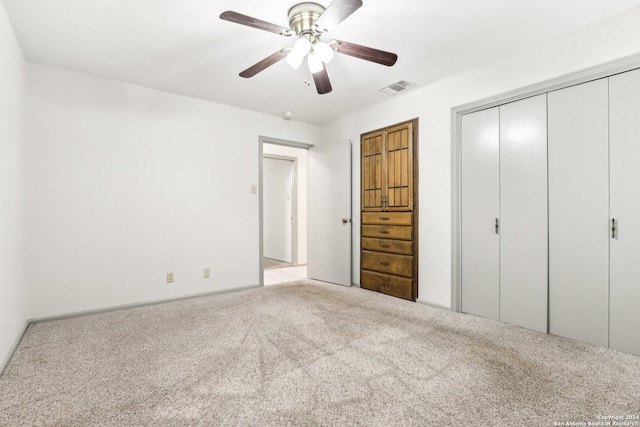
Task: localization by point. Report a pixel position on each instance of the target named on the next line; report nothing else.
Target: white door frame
(294, 248)
(592, 73)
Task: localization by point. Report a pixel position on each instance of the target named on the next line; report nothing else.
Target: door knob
(346, 220)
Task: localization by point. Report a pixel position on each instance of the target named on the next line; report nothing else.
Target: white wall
(128, 183)
(13, 295)
(301, 157)
(601, 42)
(276, 201)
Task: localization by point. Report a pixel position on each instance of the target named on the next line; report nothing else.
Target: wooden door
(624, 318)
(388, 259)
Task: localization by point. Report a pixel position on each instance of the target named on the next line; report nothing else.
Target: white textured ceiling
(182, 46)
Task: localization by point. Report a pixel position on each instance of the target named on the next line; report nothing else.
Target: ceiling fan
(308, 22)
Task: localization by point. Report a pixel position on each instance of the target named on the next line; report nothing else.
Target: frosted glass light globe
(324, 51)
(314, 63)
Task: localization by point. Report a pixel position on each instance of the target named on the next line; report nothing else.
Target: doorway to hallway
(284, 213)
(277, 202)
(325, 204)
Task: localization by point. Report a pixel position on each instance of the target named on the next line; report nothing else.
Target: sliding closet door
(523, 213)
(579, 212)
(625, 210)
(480, 210)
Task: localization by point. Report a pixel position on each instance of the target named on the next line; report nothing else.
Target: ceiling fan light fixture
(294, 60)
(300, 49)
(324, 51)
(314, 63)
(302, 46)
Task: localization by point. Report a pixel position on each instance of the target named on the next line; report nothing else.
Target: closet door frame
(582, 76)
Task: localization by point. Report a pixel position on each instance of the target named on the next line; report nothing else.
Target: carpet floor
(307, 354)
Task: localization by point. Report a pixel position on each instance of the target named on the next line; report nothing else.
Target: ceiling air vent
(396, 87)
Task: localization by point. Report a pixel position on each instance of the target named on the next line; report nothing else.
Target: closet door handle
(613, 228)
(497, 226)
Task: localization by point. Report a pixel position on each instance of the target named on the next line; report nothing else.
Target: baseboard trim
(433, 304)
(136, 305)
(14, 347)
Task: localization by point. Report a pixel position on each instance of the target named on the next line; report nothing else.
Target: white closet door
(624, 319)
(523, 213)
(578, 212)
(480, 208)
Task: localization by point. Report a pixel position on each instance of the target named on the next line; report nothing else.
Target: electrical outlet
(207, 273)
(169, 277)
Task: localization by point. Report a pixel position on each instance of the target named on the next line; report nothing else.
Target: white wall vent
(396, 87)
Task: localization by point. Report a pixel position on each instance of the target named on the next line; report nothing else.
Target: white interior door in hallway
(277, 185)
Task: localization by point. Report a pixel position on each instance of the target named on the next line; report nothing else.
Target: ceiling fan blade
(264, 64)
(239, 18)
(321, 79)
(366, 53)
(338, 11)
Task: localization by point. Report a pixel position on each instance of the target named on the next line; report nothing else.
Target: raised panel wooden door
(371, 149)
(388, 231)
(624, 108)
(398, 168)
(578, 132)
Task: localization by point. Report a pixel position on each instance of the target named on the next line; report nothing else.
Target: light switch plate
(254, 189)
(169, 277)
(207, 273)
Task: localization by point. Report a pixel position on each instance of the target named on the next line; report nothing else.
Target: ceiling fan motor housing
(302, 17)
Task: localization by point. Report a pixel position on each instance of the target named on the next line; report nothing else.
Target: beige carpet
(307, 354)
